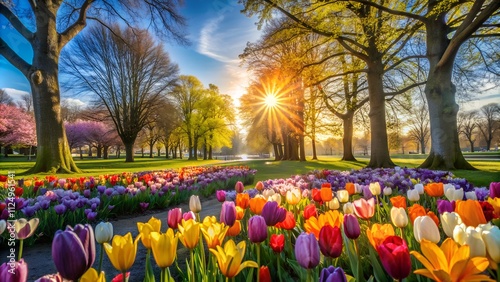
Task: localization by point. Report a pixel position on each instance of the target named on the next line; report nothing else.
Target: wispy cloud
(16, 94)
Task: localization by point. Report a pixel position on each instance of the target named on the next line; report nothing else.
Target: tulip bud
(310, 211)
(395, 257)
(425, 228)
(259, 186)
(257, 229)
(268, 193)
(307, 251)
(221, 195)
(449, 220)
(399, 217)
(351, 226)
(195, 204)
(495, 190)
(264, 274)
(3, 225)
(15, 271)
(387, 191)
(348, 208)
(343, 196)
(358, 188)
(413, 195)
(273, 213)
(277, 242)
(239, 187)
(332, 273)
(189, 215)
(444, 206)
(419, 187)
(375, 188)
(293, 196)
(454, 194)
(228, 213)
(174, 217)
(275, 198)
(330, 241)
(491, 238)
(471, 195)
(333, 204)
(103, 232)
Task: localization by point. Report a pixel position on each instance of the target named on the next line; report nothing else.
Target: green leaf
(378, 271)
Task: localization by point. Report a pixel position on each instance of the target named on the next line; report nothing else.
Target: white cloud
(73, 102)
(15, 94)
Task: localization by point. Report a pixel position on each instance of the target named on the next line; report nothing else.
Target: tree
(126, 71)
(55, 23)
(26, 103)
(168, 121)
(419, 126)
(17, 128)
(5, 98)
(467, 124)
(489, 123)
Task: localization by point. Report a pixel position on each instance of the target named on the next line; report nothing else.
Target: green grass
(488, 170)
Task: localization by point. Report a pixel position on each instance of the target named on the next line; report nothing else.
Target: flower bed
(319, 226)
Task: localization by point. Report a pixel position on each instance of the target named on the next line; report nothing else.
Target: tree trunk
(422, 145)
(81, 152)
(129, 151)
(205, 151)
(194, 155)
(151, 147)
(302, 148)
(471, 146)
(99, 151)
(277, 156)
(210, 151)
(105, 150)
(347, 138)
(315, 156)
(379, 156)
(190, 148)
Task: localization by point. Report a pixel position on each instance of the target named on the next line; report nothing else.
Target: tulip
(395, 257)
(448, 221)
(3, 226)
(310, 211)
(307, 251)
(288, 223)
(419, 187)
(398, 202)
(425, 228)
(264, 274)
(76, 245)
(174, 217)
(375, 188)
(257, 204)
(145, 229)
(444, 206)
(413, 195)
(103, 232)
(235, 229)
(230, 258)
(326, 193)
(164, 246)
(367, 194)
(273, 214)
(92, 276)
(434, 189)
(24, 228)
(195, 204)
(332, 274)
(189, 215)
(257, 229)
(333, 204)
(348, 208)
(221, 195)
(453, 194)
(57, 278)
(239, 187)
(14, 272)
(399, 217)
(378, 232)
(351, 226)
(470, 212)
(471, 195)
(495, 202)
(495, 190)
(364, 209)
(476, 243)
(387, 191)
(313, 225)
(189, 233)
(239, 213)
(242, 200)
(330, 241)
(415, 211)
(214, 234)
(122, 251)
(343, 196)
(277, 242)
(293, 196)
(316, 195)
(119, 277)
(259, 186)
(350, 188)
(491, 237)
(228, 213)
(268, 193)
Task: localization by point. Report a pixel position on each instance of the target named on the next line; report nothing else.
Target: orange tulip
(242, 200)
(235, 229)
(434, 217)
(350, 188)
(288, 223)
(332, 218)
(326, 192)
(470, 212)
(434, 189)
(415, 211)
(377, 234)
(398, 202)
(257, 204)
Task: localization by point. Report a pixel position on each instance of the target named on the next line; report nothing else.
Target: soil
(39, 256)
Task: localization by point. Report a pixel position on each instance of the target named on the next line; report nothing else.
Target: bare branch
(14, 59)
(72, 30)
(16, 23)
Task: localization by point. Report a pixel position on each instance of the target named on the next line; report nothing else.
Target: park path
(39, 256)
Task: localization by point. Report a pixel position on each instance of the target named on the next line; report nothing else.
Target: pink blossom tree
(17, 128)
(96, 134)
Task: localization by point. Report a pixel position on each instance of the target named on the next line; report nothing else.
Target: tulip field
(398, 224)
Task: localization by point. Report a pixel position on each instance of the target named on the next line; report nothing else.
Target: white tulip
(413, 195)
(387, 191)
(475, 242)
(460, 234)
(491, 238)
(471, 195)
(195, 204)
(343, 196)
(425, 228)
(453, 194)
(419, 187)
(449, 220)
(399, 217)
(348, 208)
(333, 204)
(103, 232)
(3, 225)
(375, 188)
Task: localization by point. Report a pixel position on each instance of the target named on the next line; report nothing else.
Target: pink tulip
(364, 209)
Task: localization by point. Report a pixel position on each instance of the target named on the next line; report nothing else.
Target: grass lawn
(488, 170)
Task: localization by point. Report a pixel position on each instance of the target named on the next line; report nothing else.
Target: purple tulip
(60, 209)
(91, 216)
(257, 229)
(272, 213)
(351, 226)
(144, 206)
(495, 190)
(228, 213)
(332, 274)
(76, 246)
(86, 193)
(239, 187)
(444, 206)
(307, 250)
(221, 195)
(14, 271)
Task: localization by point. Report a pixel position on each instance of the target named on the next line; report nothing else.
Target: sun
(270, 101)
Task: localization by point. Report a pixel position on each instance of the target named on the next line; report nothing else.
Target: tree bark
(151, 147)
(105, 152)
(315, 155)
(129, 152)
(471, 146)
(422, 145)
(348, 119)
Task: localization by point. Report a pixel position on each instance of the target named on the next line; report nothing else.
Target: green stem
(124, 276)
(192, 265)
(309, 276)
(358, 271)
(162, 275)
(279, 267)
(100, 259)
(258, 261)
(20, 250)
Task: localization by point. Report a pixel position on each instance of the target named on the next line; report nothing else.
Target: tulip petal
(434, 254)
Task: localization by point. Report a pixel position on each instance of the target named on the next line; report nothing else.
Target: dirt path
(39, 256)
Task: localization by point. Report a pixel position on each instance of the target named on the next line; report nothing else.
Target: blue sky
(218, 33)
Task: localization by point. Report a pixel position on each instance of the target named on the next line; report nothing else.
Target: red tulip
(316, 195)
(351, 226)
(288, 223)
(310, 211)
(395, 257)
(174, 217)
(330, 241)
(264, 274)
(364, 209)
(277, 242)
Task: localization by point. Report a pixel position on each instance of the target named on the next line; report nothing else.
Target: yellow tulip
(164, 247)
(333, 218)
(145, 229)
(208, 221)
(214, 234)
(378, 232)
(189, 233)
(122, 251)
(450, 262)
(293, 196)
(91, 276)
(230, 258)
